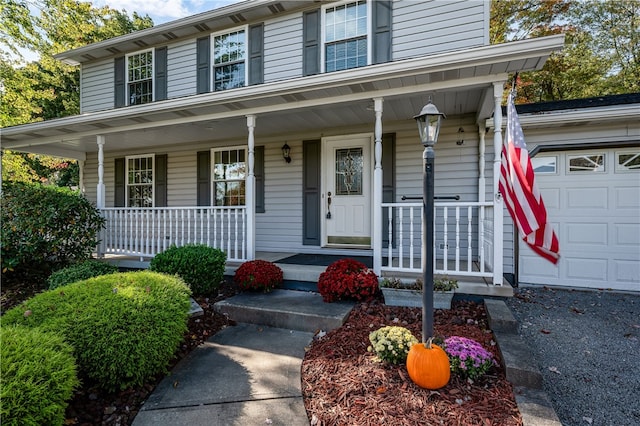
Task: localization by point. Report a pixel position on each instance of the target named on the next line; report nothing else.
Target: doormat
(322, 259)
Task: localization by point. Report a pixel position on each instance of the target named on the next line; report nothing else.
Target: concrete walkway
(244, 375)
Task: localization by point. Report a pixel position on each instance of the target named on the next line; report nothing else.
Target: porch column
(497, 198)
(377, 189)
(81, 176)
(100, 191)
(482, 188)
(1, 156)
(250, 190)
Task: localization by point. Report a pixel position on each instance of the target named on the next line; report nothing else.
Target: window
(544, 165)
(140, 181)
(140, 78)
(229, 54)
(345, 36)
(628, 161)
(586, 163)
(229, 173)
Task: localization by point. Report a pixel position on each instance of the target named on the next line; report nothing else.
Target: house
(284, 127)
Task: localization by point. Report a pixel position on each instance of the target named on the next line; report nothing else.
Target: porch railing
(461, 245)
(144, 232)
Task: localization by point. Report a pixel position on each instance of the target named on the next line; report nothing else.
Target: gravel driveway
(587, 345)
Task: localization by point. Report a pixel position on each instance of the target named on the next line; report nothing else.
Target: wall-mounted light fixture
(286, 153)
(460, 139)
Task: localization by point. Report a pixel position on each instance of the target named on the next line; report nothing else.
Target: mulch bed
(343, 383)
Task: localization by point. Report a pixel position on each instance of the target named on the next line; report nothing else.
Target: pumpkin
(428, 365)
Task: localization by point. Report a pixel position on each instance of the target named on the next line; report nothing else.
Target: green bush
(124, 328)
(200, 266)
(80, 271)
(45, 228)
(38, 377)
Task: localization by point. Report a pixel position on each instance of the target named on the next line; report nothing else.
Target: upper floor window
(346, 41)
(139, 181)
(229, 174)
(229, 60)
(140, 77)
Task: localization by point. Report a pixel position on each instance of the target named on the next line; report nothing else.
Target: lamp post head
(429, 124)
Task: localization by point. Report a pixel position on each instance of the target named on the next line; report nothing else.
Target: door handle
(329, 205)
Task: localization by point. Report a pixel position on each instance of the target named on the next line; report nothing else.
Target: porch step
(289, 309)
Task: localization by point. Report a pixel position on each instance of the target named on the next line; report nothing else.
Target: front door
(346, 191)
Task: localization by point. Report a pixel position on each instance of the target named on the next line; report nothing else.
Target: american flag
(521, 195)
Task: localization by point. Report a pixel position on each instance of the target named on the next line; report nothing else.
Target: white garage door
(593, 202)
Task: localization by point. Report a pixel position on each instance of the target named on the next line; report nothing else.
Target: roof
(600, 101)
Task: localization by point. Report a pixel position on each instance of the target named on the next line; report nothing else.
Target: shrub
(258, 275)
(80, 271)
(467, 357)
(45, 228)
(200, 266)
(124, 328)
(347, 279)
(391, 343)
(38, 376)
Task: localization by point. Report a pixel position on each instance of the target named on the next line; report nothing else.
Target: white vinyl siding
(426, 28)
(181, 69)
(97, 92)
(283, 48)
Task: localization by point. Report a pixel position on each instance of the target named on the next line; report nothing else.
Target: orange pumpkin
(428, 365)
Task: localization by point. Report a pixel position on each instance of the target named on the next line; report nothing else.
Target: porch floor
(315, 264)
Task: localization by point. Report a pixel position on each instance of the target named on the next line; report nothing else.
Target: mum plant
(347, 279)
(391, 343)
(468, 358)
(258, 275)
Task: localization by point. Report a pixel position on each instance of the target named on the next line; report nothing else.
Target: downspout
(497, 198)
(377, 189)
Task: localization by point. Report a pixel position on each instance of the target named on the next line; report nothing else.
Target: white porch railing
(144, 232)
(460, 240)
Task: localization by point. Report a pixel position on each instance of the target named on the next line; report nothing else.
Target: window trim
(212, 179)
(618, 168)
(126, 178)
(212, 61)
(556, 170)
(323, 17)
(127, 96)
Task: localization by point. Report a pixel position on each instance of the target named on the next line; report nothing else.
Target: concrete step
(500, 317)
(290, 309)
(535, 407)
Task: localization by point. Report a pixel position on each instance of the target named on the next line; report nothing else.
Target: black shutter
(311, 193)
(258, 171)
(203, 55)
(311, 46)
(160, 180)
(160, 64)
(203, 178)
(256, 55)
(119, 183)
(381, 31)
(119, 82)
(388, 182)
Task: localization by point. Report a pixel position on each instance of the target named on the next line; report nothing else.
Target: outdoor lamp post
(428, 127)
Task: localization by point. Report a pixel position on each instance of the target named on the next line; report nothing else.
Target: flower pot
(413, 298)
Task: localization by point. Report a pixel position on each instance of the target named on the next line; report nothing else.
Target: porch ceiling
(458, 82)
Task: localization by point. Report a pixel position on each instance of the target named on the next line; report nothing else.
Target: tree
(601, 46)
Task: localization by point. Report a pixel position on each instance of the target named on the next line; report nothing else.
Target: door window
(349, 171)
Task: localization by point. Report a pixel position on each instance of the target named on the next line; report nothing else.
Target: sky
(164, 10)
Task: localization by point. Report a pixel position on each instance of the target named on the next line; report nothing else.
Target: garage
(593, 202)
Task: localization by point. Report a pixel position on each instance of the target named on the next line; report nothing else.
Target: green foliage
(45, 228)
(200, 266)
(258, 275)
(124, 328)
(391, 343)
(38, 376)
(79, 272)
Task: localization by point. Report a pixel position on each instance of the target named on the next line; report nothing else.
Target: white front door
(347, 211)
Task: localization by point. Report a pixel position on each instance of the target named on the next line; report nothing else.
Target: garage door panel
(627, 198)
(551, 198)
(587, 233)
(627, 234)
(587, 198)
(586, 269)
(534, 266)
(627, 271)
